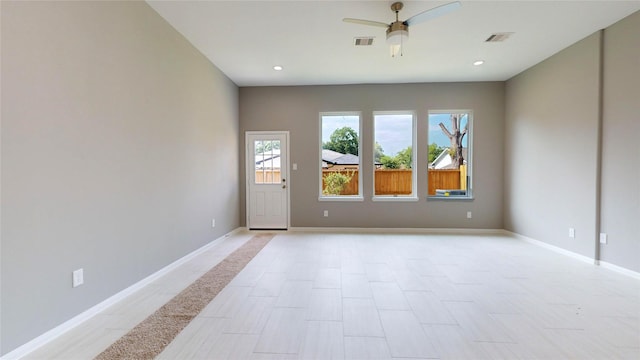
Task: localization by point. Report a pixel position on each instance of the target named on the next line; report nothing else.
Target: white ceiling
(245, 39)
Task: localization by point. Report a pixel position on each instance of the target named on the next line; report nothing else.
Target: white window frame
(414, 166)
(470, 120)
(358, 197)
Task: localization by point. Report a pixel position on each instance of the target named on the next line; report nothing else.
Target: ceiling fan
(398, 30)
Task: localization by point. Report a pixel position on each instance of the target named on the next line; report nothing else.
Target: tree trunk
(455, 137)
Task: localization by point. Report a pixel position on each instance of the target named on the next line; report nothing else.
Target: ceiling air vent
(499, 37)
(363, 41)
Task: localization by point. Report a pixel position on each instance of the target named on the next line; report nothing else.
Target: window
(340, 160)
(450, 154)
(267, 156)
(394, 156)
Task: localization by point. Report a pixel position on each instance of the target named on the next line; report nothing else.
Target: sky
(393, 132)
(331, 123)
(435, 133)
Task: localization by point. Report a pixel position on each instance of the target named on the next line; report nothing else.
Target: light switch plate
(603, 238)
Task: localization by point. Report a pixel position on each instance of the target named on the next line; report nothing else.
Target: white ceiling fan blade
(366, 22)
(433, 13)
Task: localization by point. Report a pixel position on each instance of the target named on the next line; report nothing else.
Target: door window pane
(267, 158)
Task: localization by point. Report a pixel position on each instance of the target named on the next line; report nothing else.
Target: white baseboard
(61, 329)
(619, 269)
(553, 248)
(574, 255)
(399, 230)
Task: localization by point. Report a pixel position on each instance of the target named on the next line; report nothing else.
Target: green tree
(434, 151)
(344, 140)
(264, 146)
(335, 182)
(405, 158)
(390, 162)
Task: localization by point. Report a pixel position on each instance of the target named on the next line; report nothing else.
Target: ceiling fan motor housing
(396, 31)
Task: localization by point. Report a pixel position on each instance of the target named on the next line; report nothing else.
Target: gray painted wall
(550, 149)
(115, 155)
(551, 143)
(297, 109)
(621, 144)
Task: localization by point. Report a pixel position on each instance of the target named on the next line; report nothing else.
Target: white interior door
(267, 181)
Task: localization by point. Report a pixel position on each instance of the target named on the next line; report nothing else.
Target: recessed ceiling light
(478, 62)
(278, 68)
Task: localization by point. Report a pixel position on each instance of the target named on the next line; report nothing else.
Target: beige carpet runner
(153, 334)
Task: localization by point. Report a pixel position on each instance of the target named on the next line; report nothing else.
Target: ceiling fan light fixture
(395, 40)
(395, 50)
(397, 37)
(278, 68)
(397, 33)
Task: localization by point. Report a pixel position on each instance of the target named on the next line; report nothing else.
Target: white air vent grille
(499, 37)
(363, 41)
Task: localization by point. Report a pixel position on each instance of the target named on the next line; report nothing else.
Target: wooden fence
(393, 182)
(268, 176)
(443, 179)
(387, 182)
(398, 182)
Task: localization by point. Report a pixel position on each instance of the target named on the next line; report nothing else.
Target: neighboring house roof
(268, 160)
(336, 158)
(272, 163)
(444, 160)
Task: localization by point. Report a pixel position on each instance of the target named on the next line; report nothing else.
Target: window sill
(341, 198)
(395, 198)
(450, 198)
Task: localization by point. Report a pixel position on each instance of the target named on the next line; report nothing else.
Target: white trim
(70, 324)
(603, 264)
(341, 198)
(358, 197)
(553, 248)
(449, 198)
(448, 231)
(619, 269)
(392, 198)
(414, 156)
(470, 122)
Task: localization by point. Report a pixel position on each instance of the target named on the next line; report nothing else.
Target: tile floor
(388, 296)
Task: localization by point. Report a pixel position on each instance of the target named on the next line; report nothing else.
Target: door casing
(250, 136)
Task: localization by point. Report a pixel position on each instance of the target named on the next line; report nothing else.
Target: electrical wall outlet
(603, 238)
(213, 223)
(326, 213)
(469, 214)
(78, 278)
(572, 232)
